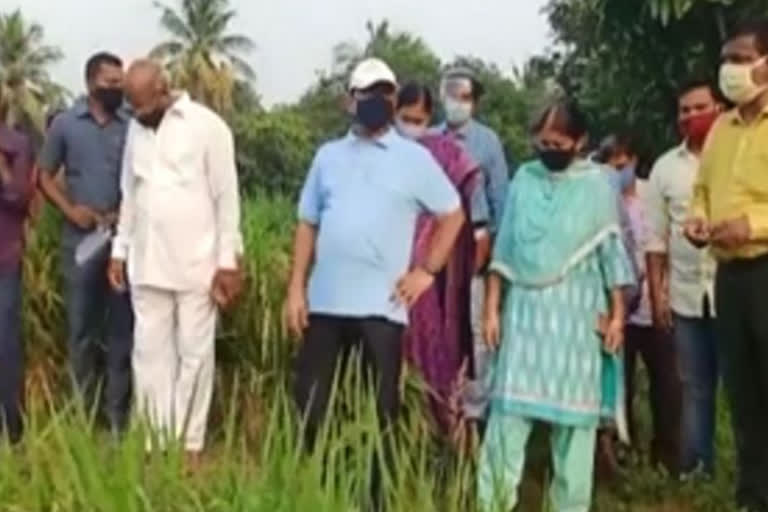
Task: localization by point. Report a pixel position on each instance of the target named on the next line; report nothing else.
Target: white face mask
(738, 84)
(411, 130)
(457, 112)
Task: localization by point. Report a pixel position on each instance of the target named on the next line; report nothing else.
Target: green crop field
(255, 461)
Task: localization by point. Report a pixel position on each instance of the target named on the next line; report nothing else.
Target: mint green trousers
(502, 459)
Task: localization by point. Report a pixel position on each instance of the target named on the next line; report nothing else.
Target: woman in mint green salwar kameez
(555, 310)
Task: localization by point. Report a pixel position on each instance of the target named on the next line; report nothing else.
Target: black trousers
(657, 351)
(329, 341)
(741, 299)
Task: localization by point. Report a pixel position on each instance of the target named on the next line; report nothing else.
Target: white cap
(370, 72)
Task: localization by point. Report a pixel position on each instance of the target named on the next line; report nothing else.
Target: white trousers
(173, 362)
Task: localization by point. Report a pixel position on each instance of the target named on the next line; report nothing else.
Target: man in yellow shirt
(730, 214)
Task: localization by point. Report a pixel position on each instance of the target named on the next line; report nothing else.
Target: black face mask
(153, 119)
(111, 98)
(374, 113)
(556, 160)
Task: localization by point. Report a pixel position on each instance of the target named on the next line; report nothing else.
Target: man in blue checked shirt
(460, 92)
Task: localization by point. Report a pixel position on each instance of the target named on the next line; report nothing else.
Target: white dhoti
(173, 362)
(478, 389)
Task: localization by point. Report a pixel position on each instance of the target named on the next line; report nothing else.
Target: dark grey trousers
(11, 354)
(100, 337)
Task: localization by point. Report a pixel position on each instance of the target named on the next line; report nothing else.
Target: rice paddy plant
(66, 464)
(43, 317)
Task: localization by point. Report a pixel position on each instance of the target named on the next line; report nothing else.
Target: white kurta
(179, 223)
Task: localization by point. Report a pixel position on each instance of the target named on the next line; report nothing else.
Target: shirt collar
(462, 132)
(735, 116)
(81, 107)
(181, 104)
(82, 110)
(383, 141)
(683, 151)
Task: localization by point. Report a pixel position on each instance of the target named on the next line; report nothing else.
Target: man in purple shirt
(15, 187)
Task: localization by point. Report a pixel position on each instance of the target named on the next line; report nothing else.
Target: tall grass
(255, 460)
(65, 467)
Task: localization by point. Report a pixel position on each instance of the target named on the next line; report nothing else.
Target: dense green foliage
(624, 60)
(274, 151)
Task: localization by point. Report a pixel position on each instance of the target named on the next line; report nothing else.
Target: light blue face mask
(626, 177)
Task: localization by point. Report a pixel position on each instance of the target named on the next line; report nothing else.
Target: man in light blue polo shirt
(357, 217)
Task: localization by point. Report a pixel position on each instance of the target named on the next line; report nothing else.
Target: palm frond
(167, 50)
(202, 57)
(236, 43)
(217, 24)
(242, 68)
(174, 23)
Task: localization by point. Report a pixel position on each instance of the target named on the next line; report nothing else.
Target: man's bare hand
(731, 234)
(482, 250)
(412, 286)
(661, 312)
(83, 217)
(116, 274)
(227, 287)
(295, 311)
(697, 231)
(109, 220)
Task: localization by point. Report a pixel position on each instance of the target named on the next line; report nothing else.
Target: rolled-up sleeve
(656, 211)
(222, 171)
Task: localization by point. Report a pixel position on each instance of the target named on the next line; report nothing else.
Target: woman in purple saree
(438, 341)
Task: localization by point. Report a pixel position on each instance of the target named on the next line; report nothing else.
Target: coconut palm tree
(202, 57)
(26, 88)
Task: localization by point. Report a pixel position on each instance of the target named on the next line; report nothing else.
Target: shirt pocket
(142, 156)
(678, 200)
(184, 157)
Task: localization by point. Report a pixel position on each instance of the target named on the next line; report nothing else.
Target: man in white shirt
(179, 232)
(681, 277)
